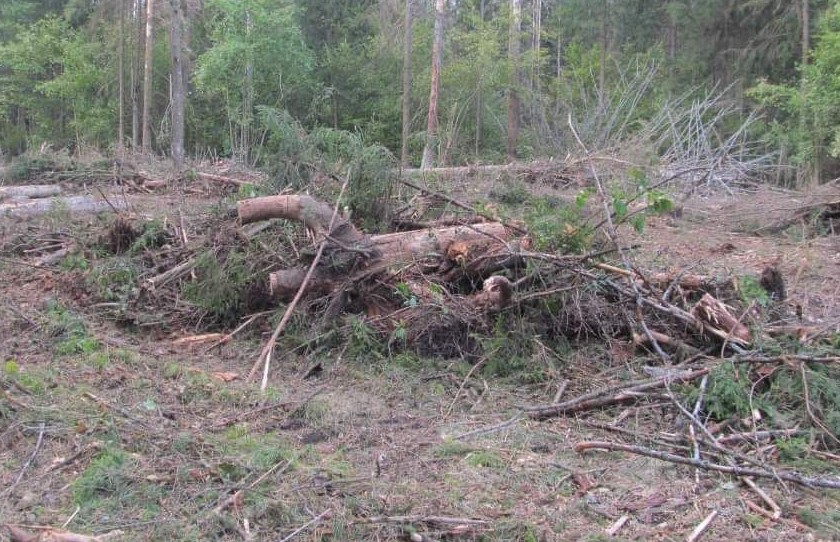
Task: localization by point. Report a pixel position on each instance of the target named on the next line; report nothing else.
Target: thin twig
(466, 379)
(491, 428)
(788, 476)
(308, 524)
(31, 457)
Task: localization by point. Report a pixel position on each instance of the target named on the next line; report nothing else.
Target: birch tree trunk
(513, 78)
(406, 84)
(147, 76)
(177, 84)
(437, 53)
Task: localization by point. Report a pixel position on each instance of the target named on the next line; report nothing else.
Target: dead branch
(48, 534)
(596, 399)
(788, 476)
(220, 179)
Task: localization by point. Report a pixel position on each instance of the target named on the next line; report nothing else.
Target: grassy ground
(105, 428)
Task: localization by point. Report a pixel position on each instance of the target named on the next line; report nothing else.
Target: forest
(419, 270)
(208, 77)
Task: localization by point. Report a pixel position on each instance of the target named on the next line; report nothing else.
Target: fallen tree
(468, 250)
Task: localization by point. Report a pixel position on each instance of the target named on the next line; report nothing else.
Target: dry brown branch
(788, 476)
(220, 179)
(777, 511)
(700, 530)
(428, 520)
(490, 429)
(308, 524)
(629, 390)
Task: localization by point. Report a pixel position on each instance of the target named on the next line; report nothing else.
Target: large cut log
(30, 191)
(436, 249)
(314, 214)
(72, 204)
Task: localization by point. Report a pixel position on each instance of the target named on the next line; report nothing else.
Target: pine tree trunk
(513, 82)
(121, 76)
(806, 31)
(406, 85)
(147, 76)
(602, 68)
(178, 91)
(437, 53)
(136, 73)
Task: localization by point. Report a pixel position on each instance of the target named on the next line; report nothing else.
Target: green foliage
(559, 228)
(109, 474)
(69, 332)
(297, 158)
(728, 393)
(364, 341)
(114, 279)
(751, 291)
(221, 285)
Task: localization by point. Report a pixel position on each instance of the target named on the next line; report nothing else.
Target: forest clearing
(402, 399)
(419, 270)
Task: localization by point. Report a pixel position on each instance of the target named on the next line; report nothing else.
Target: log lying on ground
(30, 191)
(436, 250)
(73, 204)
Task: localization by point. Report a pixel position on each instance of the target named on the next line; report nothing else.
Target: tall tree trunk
(437, 53)
(136, 72)
(147, 75)
(406, 84)
(121, 76)
(177, 86)
(478, 90)
(513, 78)
(536, 99)
(602, 68)
(806, 31)
(242, 156)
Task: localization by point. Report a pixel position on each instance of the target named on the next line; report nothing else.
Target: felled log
(435, 250)
(73, 204)
(426, 248)
(30, 191)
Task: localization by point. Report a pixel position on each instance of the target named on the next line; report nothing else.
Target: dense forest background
(244, 78)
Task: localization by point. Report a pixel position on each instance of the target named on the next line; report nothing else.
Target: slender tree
(406, 84)
(437, 53)
(177, 83)
(137, 72)
(147, 76)
(121, 77)
(513, 81)
(806, 30)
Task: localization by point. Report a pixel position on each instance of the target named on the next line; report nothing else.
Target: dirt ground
(132, 431)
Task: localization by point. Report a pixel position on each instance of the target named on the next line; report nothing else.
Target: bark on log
(393, 249)
(73, 204)
(30, 191)
(314, 214)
